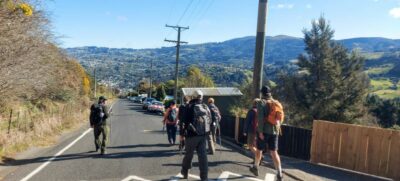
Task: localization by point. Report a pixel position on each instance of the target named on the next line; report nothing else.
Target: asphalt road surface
(138, 150)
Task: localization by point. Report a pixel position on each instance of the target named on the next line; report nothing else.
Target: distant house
(225, 97)
(168, 97)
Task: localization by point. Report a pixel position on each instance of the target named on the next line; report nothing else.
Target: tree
(330, 84)
(160, 93)
(195, 78)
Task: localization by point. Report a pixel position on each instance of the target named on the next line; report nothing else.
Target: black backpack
(96, 117)
(182, 112)
(172, 115)
(201, 119)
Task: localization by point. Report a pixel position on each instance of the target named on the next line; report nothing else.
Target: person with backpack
(181, 117)
(170, 120)
(197, 126)
(250, 127)
(270, 116)
(98, 121)
(215, 119)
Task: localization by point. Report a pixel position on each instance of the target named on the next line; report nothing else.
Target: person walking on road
(170, 120)
(250, 128)
(99, 113)
(215, 120)
(181, 116)
(268, 131)
(197, 125)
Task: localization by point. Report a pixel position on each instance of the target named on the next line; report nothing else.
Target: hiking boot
(279, 177)
(254, 170)
(184, 174)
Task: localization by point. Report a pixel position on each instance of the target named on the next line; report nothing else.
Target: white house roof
(216, 91)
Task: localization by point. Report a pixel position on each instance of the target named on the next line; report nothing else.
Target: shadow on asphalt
(212, 163)
(93, 155)
(140, 145)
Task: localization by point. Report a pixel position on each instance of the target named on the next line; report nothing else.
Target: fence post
(237, 128)
(9, 122)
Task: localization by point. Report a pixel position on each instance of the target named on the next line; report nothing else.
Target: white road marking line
(134, 177)
(37, 170)
(225, 175)
(179, 176)
(269, 177)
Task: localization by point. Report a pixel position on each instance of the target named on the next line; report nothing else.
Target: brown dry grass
(39, 127)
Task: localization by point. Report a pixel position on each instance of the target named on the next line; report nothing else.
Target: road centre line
(41, 167)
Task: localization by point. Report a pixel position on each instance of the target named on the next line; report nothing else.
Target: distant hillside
(126, 66)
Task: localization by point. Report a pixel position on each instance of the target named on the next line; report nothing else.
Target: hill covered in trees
(226, 62)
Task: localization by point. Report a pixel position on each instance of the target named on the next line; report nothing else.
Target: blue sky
(141, 23)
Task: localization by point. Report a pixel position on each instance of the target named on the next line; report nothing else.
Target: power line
(187, 7)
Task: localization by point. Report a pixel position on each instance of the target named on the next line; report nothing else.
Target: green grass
(381, 84)
(373, 56)
(388, 94)
(380, 69)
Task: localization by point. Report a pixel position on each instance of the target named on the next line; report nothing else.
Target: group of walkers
(174, 119)
(198, 123)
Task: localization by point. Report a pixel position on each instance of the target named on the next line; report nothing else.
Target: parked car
(147, 102)
(138, 99)
(156, 107)
(132, 98)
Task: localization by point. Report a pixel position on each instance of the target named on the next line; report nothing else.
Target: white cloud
(308, 6)
(395, 12)
(285, 6)
(122, 18)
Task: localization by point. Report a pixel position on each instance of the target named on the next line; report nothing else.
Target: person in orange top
(170, 120)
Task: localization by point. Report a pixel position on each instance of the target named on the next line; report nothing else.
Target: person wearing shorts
(267, 137)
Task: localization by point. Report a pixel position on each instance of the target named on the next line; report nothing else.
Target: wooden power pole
(260, 47)
(178, 44)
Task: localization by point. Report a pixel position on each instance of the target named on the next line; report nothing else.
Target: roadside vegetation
(43, 92)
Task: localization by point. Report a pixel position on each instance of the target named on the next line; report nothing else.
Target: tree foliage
(330, 83)
(160, 92)
(32, 67)
(195, 78)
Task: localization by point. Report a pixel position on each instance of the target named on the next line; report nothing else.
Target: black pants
(197, 143)
(171, 131)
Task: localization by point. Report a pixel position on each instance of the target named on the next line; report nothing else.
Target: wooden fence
(294, 142)
(365, 149)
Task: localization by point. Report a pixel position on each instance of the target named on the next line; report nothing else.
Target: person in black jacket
(98, 121)
(181, 117)
(197, 126)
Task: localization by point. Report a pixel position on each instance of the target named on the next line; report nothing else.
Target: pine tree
(330, 83)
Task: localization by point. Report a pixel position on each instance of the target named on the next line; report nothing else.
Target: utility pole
(151, 77)
(178, 44)
(260, 47)
(95, 84)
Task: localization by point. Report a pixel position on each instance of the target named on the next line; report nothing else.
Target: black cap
(265, 90)
(102, 98)
(172, 103)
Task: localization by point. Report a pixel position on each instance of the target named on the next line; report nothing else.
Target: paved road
(138, 151)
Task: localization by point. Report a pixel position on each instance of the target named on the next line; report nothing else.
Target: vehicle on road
(156, 107)
(147, 102)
